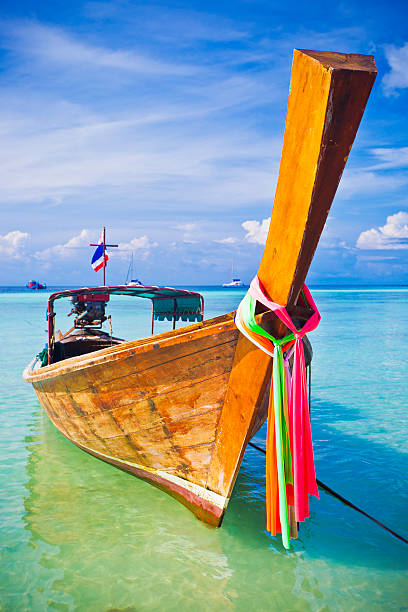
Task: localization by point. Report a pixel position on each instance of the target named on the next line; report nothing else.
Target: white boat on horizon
(236, 283)
(132, 282)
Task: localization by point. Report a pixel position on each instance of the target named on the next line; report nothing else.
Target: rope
(110, 327)
(345, 501)
(43, 356)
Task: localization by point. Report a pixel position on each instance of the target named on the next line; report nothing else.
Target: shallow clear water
(77, 534)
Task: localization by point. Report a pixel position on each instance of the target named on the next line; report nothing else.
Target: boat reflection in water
(105, 538)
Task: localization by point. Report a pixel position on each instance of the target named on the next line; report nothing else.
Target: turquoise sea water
(78, 534)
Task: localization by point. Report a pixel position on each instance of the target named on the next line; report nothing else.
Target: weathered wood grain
(155, 411)
(328, 94)
(246, 389)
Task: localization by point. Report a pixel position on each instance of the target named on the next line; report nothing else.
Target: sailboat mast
(130, 270)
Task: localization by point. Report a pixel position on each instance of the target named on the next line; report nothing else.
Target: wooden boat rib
(177, 409)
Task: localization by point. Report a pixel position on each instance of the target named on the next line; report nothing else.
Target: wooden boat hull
(162, 408)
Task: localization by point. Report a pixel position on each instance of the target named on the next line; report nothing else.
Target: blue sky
(164, 122)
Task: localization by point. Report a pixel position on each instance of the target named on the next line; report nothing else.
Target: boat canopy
(167, 303)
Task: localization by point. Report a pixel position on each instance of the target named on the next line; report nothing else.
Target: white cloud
(64, 251)
(82, 239)
(11, 244)
(143, 244)
(392, 235)
(256, 231)
(398, 60)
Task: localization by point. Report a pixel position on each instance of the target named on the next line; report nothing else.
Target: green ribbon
(283, 454)
(283, 457)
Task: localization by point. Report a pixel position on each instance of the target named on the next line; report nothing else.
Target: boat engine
(89, 309)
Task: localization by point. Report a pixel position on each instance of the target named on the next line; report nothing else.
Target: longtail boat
(178, 408)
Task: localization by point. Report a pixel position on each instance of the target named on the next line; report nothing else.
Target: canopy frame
(159, 296)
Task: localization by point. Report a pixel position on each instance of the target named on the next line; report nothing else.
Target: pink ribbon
(304, 478)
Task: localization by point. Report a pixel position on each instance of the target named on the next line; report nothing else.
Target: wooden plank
(175, 430)
(328, 94)
(182, 336)
(327, 98)
(246, 388)
(141, 378)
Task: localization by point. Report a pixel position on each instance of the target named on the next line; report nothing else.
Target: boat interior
(82, 341)
(89, 312)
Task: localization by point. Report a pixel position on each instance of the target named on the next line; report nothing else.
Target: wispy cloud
(397, 78)
(175, 25)
(365, 182)
(56, 164)
(390, 158)
(393, 235)
(229, 240)
(52, 45)
(186, 227)
(182, 26)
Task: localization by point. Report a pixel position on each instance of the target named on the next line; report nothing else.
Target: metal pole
(104, 262)
(50, 317)
(104, 245)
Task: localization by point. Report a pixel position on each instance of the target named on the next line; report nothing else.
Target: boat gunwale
(122, 350)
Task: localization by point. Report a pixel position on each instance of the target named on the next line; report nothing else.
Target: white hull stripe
(210, 496)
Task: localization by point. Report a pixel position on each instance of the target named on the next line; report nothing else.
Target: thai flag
(98, 260)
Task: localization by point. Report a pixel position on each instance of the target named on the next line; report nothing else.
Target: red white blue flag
(100, 257)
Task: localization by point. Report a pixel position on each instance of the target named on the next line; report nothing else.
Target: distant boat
(236, 283)
(35, 285)
(132, 282)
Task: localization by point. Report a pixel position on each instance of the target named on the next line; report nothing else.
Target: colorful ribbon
(290, 473)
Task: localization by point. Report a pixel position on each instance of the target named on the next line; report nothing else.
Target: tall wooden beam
(328, 94)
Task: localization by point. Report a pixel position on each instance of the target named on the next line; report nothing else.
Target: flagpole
(104, 262)
(104, 245)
